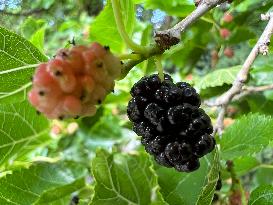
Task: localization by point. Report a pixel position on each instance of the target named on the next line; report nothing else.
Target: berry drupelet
(173, 127)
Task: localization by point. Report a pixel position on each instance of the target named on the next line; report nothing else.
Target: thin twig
(247, 90)
(261, 47)
(26, 13)
(167, 38)
(173, 34)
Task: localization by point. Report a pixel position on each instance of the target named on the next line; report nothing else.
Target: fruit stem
(159, 67)
(121, 29)
(129, 56)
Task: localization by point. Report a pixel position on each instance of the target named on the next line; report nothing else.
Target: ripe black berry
(173, 127)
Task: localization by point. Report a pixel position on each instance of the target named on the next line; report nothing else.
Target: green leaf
(38, 38)
(185, 188)
(244, 164)
(124, 179)
(30, 26)
(217, 78)
(248, 135)
(41, 184)
(263, 75)
(174, 7)
(264, 176)
(104, 28)
(88, 122)
(258, 103)
(21, 131)
(262, 195)
(18, 59)
(107, 127)
(241, 34)
(207, 193)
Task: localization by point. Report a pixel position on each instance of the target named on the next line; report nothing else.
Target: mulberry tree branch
(26, 13)
(167, 38)
(261, 47)
(246, 90)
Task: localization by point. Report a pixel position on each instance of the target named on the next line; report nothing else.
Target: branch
(261, 47)
(166, 39)
(249, 90)
(26, 13)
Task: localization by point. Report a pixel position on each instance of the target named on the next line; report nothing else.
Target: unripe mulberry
(227, 17)
(172, 126)
(71, 84)
(224, 33)
(228, 52)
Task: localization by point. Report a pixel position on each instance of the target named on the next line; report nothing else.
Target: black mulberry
(173, 127)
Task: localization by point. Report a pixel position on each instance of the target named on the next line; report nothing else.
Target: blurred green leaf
(108, 127)
(258, 103)
(30, 26)
(41, 184)
(248, 135)
(241, 34)
(217, 78)
(104, 29)
(124, 179)
(174, 7)
(264, 176)
(244, 164)
(37, 39)
(22, 131)
(262, 195)
(18, 59)
(87, 123)
(263, 75)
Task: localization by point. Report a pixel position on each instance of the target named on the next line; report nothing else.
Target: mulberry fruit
(225, 33)
(71, 84)
(173, 127)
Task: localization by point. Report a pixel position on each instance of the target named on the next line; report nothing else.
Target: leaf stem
(121, 29)
(129, 56)
(159, 67)
(268, 166)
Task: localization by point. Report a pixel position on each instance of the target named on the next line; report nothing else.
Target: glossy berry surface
(172, 126)
(74, 82)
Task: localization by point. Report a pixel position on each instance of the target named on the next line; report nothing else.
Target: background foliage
(99, 160)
